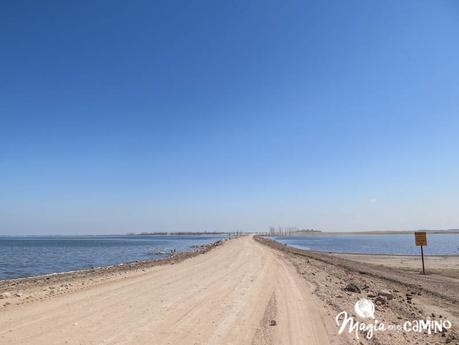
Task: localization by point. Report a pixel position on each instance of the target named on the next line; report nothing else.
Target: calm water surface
(31, 256)
(445, 244)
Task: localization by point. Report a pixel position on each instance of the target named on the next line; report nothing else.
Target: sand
(239, 293)
(442, 265)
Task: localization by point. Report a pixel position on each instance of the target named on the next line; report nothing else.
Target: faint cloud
(373, 201)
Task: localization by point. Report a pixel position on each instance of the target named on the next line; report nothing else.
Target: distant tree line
(287, 231)
(178, 233)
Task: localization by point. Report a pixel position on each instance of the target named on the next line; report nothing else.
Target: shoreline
(447, 266)
(102, 271)
(443, 265)
(366, 233)
(372, 254)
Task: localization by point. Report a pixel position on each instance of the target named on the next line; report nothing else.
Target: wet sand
(441, 265)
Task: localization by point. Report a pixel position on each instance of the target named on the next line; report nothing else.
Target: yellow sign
(421, 238)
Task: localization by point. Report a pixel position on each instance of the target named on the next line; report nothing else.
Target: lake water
(31, 256)
(444, 244)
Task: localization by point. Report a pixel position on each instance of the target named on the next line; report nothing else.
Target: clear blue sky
(123, 116)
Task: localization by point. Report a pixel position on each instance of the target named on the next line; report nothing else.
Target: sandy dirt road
(226, 296)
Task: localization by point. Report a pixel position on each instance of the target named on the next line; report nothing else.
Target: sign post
(421, 241)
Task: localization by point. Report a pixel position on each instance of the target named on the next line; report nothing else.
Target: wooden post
(422, 255)
(421, 241)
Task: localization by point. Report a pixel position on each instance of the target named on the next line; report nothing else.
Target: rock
(18, 294)
(371, 295)
(5, 295)
(273, 323)
(380, 300)
(352, 288)
(450, 338)
(387, 294)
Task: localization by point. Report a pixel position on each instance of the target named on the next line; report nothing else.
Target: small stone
(352, 288)
(273, 323)
(5, 295)
(380, 300)
(387, 294)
